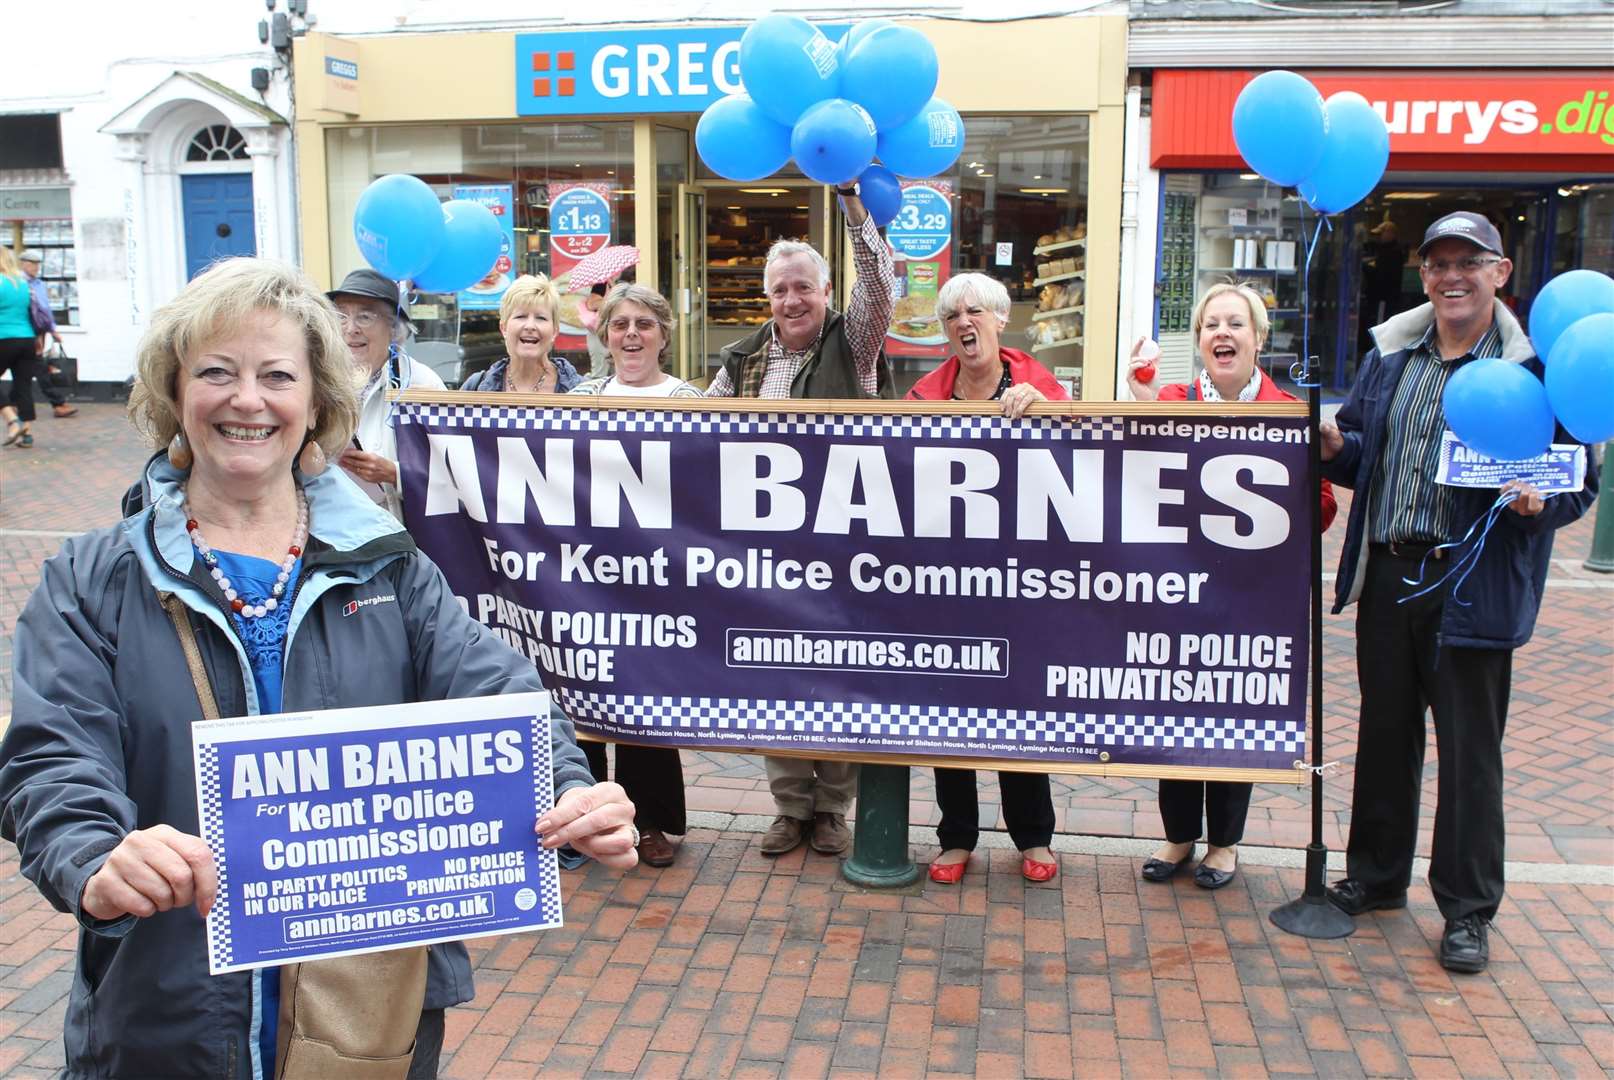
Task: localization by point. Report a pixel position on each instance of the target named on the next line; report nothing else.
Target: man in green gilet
(808, 350)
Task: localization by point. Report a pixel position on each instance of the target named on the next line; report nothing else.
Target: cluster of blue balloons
(834, 107)
(404, 232)
(1502, 410)
(1333, 151)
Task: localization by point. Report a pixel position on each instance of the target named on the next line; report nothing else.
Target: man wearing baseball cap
(31, 260)
(375, 324)
(1440, 651)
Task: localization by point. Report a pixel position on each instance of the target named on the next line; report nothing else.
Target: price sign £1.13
(579, 221)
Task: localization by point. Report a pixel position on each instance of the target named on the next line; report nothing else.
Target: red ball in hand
(1144, 374)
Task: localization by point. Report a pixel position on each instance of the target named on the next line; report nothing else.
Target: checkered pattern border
(546, 876)
(219, 945)
(853, 721)
(907, 425)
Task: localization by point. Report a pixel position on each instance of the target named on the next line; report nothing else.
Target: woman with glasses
(374, 326)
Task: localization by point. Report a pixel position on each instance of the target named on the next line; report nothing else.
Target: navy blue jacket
(1503, 593)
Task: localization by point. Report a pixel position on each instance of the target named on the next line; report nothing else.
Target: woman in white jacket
(374, 325)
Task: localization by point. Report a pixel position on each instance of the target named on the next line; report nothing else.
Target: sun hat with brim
(372, 285)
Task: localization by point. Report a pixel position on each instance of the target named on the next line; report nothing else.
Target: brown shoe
(785, 834)
(64, 409)
(830, 834)
(655, 849)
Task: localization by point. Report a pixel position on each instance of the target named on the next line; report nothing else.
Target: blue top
(265, 639)
(493, 379)
(14, 294)
(42, 294)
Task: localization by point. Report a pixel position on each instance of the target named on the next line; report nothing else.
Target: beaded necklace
(243, 609)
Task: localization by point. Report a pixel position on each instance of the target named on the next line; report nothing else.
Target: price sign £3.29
(579, 220)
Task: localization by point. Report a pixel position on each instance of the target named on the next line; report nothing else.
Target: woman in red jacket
(1230, 323)
(973, 310)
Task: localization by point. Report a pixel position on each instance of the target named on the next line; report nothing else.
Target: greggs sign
(1545, 123)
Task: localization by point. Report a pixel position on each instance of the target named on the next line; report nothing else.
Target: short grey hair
(784, 249)
(986, 291)
(645, 297)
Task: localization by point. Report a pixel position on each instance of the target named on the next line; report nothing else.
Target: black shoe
(1464, 946)
(1354, 898)
(1161, 870)
(1208, 877)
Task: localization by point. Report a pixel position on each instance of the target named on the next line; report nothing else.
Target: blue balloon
(788, 64)
(891, 72)
(1499, 408)
(472, 242)
(1280, 126)
(739, 141)
(833, 141)
(925, 146)
(1355, 152)
(857, 33)
(881, 194)
(1580, 378)
(1564, 301)
(398, 224)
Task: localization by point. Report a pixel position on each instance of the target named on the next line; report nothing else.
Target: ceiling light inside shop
(763, 190)
(731, 207)
(1044, 191)
(986, 175)
(1249, 176)
(1412, 194)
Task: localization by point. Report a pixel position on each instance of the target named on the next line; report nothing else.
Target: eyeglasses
(1468, 264)
(362, 319)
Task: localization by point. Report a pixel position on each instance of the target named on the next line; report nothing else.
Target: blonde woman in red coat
(1230, 324)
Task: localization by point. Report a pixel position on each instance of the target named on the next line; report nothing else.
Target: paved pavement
(732, 964)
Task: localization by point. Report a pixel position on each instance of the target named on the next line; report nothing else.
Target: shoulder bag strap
(193, 652)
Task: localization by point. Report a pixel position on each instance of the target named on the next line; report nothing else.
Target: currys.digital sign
(671, 70)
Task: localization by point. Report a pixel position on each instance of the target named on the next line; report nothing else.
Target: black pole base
(1312, 916)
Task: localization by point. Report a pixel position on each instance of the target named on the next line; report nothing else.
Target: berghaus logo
(352, 606)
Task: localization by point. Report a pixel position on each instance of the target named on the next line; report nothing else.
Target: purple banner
(1077, 591)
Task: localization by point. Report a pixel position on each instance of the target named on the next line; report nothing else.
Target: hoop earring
(179, 453)
(311, 461)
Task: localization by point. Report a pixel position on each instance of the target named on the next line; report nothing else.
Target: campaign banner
(359, 830)
(1562, 468)
(1072, 591)
(500, 199)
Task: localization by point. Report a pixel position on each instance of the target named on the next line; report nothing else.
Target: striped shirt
(1408, 506)
(868, 314)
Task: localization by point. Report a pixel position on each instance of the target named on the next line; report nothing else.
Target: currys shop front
(579, 140)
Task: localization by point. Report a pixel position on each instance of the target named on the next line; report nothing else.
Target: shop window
(53, 238)
(1017, 204)
(217, 142)
(560, 191)
(31, 142)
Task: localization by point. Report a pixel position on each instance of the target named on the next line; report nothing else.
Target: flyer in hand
(359, 830)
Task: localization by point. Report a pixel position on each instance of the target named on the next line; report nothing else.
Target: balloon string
(1301, 371)
(1464, 565)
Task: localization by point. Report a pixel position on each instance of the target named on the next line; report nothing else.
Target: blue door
(218, 219)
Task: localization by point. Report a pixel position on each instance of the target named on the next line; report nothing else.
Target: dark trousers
(1028, 808)
(17, 356)
(1403, 673)
(49, 383)
(653, 777)
(1225, 807)
(428, 1045)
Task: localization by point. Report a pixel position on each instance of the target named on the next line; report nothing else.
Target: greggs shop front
(1532, 151)
(579, 140)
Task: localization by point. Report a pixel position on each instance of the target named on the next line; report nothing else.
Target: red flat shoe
(1032, 870)
(948, 873)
